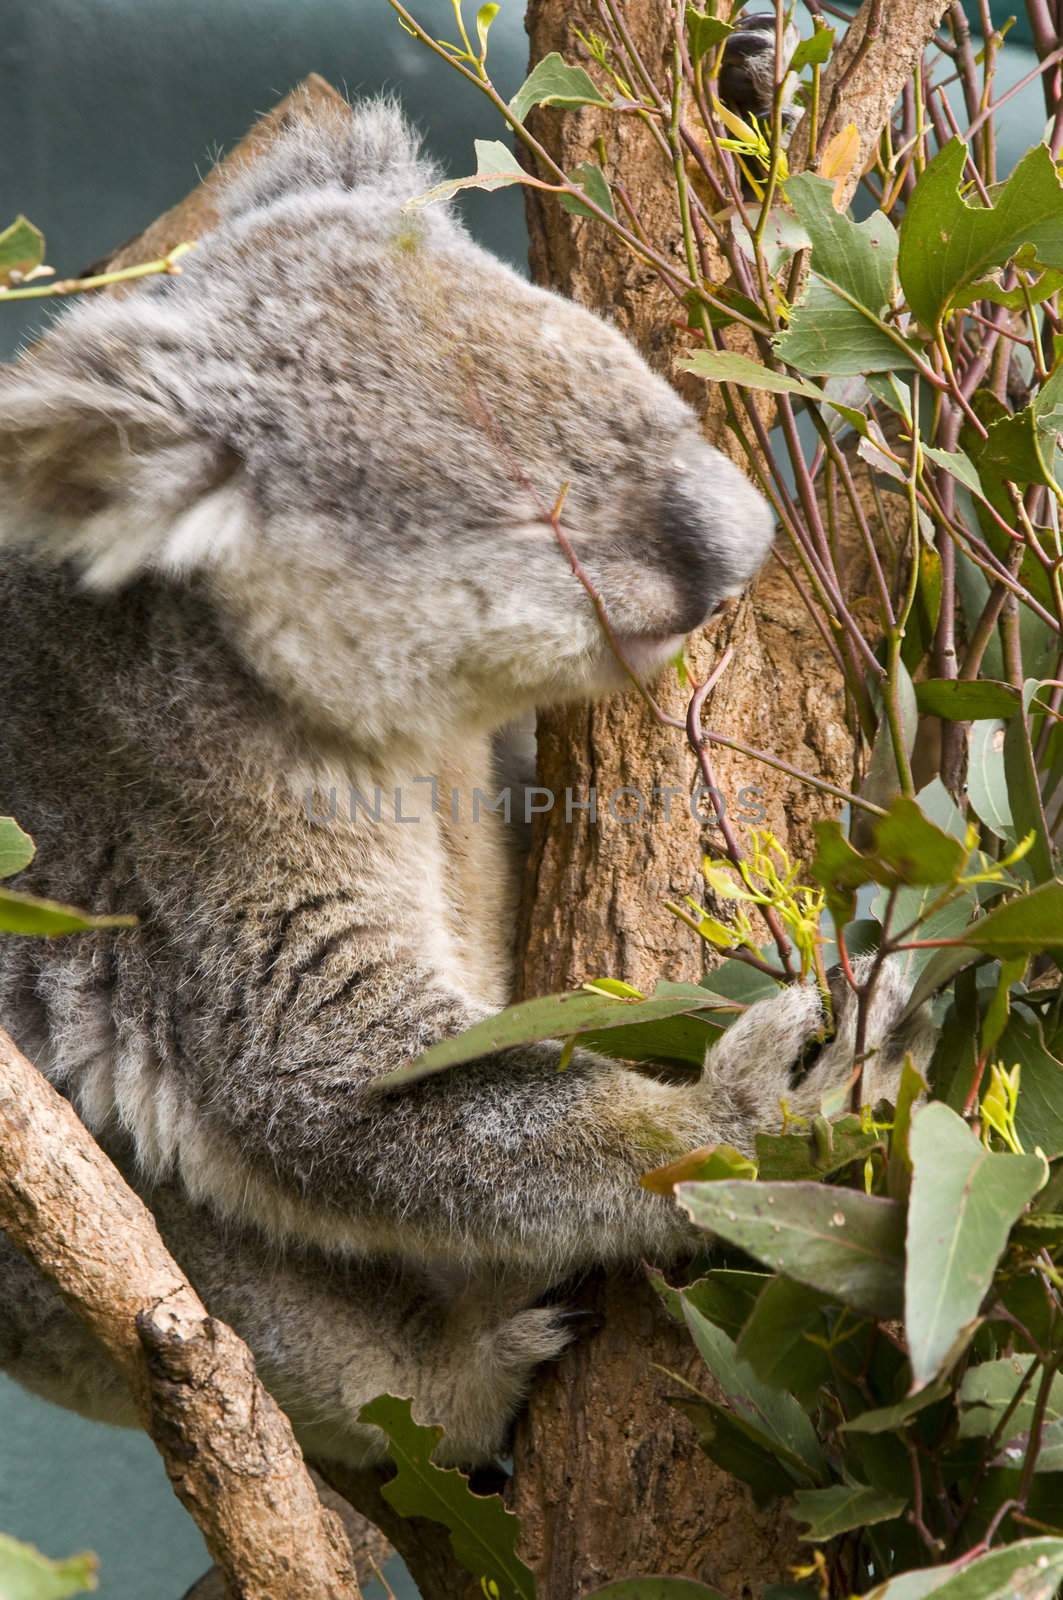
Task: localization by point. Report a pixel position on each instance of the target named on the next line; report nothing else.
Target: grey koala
(276, 526)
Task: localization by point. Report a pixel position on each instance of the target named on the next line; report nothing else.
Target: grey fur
(279, 523)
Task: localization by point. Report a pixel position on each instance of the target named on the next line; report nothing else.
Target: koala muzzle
(716, 531)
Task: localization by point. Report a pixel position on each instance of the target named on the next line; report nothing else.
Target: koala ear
(346, 148)
(97, 462)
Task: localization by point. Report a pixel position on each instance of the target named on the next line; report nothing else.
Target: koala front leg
(507, 1159)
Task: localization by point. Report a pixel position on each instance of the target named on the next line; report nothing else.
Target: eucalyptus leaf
(987, 784)
(552, 82)
(848, 1245)
(595, 185)
(839, 1509)
(813, 51)
(557, 1016)
(704, 33)
(1030, 1569)
(483, 1534)
(963, 700)
(47, 919)
(16, 848)
(964, 1200)
(21, 250)
(947, 243)
(496, 168)
(27, 1575)
(777, 1414)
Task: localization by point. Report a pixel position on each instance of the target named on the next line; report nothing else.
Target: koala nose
(717, 530)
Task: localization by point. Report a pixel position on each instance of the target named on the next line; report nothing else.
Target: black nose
(716, 531)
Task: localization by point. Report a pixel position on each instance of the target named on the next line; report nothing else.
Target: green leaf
(483, 1534)
(987, 1391)
(959, 464)
(964, 1200)
(776, 1414)
(704, 33)
(947, 244)
(555, 1016)
(16, 848)
(838, 327)
(723, 366)
(829, 1512)
(735, 1445)
(496, 168)
(21, 250)
(987, 784)
(681, 1039)
(1025, 925)
(775, 1343)
(27, 1575)
(595, 185)
(725, 1295)
(1030, 1569)
(711, 1164)
(814, 51)
(25, 914)
(484, 18)
(818, 1152)
(1024, 789)
(655, 1589)
(890, 1419)
(552, 82)
(848, 1245)
(1039, 1113)
(882, 784)
(905, 848)
(962, 700)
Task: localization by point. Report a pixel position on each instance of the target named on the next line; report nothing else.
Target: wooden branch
(228, 1448)
(870, 67)
(369, 1547)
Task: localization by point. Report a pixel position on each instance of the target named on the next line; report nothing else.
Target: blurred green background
(109, 111)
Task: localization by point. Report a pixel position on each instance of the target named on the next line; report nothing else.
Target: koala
(279, 527)
(747, 77)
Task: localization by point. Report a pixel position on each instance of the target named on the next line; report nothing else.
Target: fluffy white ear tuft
(98, 469)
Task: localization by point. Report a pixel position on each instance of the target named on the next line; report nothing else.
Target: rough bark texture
(609, 1481)
(369, 1547)
(228, 1448)
(872, 63)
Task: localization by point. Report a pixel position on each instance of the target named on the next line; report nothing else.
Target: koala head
(345, 425)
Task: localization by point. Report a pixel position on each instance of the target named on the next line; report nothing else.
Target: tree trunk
(609, 1480)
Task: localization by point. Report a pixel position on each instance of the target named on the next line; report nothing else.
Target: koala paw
(764, 1057)
(747, 77)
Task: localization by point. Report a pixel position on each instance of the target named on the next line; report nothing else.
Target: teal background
(109, 111)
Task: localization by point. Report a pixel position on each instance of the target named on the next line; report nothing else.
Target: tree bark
(228, 1448)
(609, 1481)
